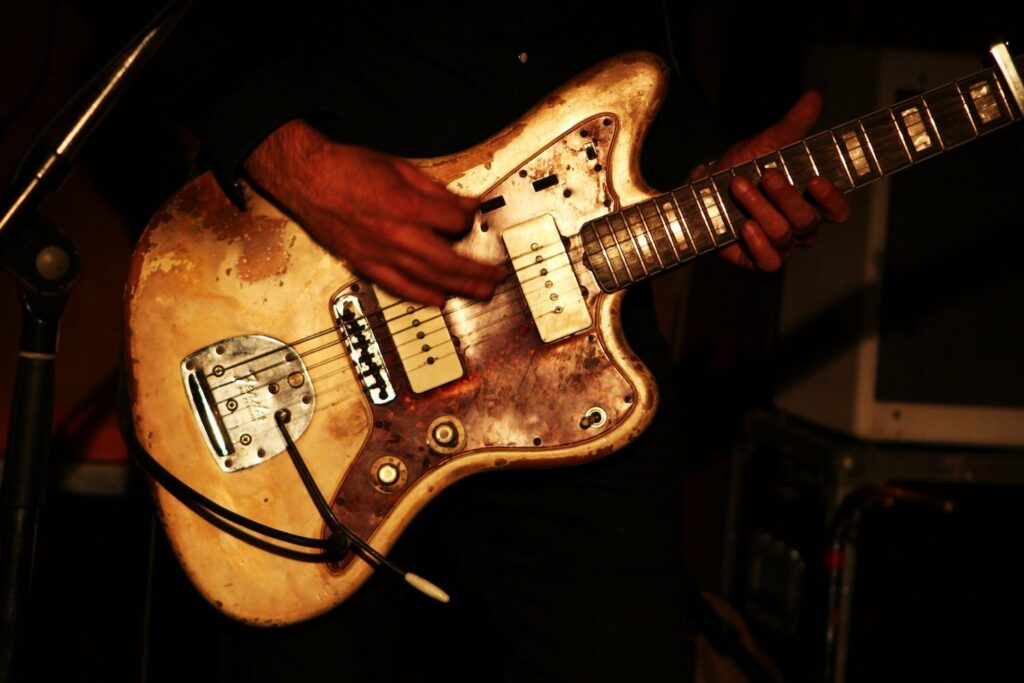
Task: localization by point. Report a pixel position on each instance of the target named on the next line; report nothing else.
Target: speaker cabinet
(863, 562)
(906, 324)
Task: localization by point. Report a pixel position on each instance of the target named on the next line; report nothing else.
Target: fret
(675, 228)
(867, 143)
(986, 110)
(828, 161)
(903, 139)
(771, 161)
(799, 163)
(916, 128)
(748, 170)
(885, 142)
(597, 255)
(967, 109)
(649, 236)
(611, 251)
(720, 196)
(704, 190)
(810, 157)
(638, 233)
(690, 211)
(938, 135)
(655, 226)
(860, 161)
(954, 128)
(842, 158)
(722, 181)
(626, 246)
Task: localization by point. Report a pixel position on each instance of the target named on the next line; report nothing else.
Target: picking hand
(390, 222)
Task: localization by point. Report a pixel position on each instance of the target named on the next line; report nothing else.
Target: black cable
(197, 501)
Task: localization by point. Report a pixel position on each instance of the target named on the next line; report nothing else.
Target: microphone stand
(45, 264)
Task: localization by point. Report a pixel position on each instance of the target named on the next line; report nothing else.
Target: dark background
(89, 605)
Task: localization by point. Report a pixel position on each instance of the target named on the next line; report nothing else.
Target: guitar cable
(331, 548)
(340, 534)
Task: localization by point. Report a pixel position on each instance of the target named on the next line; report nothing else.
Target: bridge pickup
(422, 341)
(546, 278)
(362, 346)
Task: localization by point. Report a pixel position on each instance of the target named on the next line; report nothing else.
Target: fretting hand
(781, 216)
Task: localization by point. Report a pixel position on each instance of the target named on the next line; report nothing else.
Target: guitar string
(376, 327)
(893, 136)
(945, 106)
(487, 309)
(477, 339)
(883, 142)
(895, 142)
(616, 235)
(382, 309)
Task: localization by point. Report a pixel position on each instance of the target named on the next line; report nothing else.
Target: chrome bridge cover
(235, 386)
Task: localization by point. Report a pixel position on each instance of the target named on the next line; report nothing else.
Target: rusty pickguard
(518, 392)
(205, 271)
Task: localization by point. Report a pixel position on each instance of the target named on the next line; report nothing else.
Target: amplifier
(906, 324)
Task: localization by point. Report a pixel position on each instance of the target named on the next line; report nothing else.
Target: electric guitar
(282, 398)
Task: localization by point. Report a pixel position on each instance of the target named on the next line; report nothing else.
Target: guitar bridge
(234, 387)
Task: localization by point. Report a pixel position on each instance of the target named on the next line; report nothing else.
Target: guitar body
(205, 271)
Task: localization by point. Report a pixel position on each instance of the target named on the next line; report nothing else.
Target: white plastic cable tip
(425, 587)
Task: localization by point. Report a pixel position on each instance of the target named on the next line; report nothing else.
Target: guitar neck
(648, 238)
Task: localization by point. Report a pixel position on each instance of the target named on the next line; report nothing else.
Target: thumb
(794, 126)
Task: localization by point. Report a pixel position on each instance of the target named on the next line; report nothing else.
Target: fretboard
(648, 238)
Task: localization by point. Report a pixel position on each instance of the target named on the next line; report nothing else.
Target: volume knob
(445, 434)
(387, 474)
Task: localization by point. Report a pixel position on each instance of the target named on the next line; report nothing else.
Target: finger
(699, 171)
(402, 285)
(409, 206)
(835, 206)
(773, 223)
(802, 216)
(426, 186)
(433, 261)
(793, 126)
(738, 254)
(764, 254)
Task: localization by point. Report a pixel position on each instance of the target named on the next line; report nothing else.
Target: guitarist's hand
(391, 223)
(782, 216)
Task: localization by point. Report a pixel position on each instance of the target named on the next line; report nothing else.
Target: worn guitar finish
(204, 272)
(233, 316)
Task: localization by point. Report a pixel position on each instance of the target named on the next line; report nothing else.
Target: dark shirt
(412, 79)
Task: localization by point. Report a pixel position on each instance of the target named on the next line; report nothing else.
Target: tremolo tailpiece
(235, 386)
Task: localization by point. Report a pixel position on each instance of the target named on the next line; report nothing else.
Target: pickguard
(518, 393)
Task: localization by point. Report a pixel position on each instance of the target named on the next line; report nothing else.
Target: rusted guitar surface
(237, 318)
(205, 274)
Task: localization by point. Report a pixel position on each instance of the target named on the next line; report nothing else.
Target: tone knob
(445, 434)
(388, 474)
